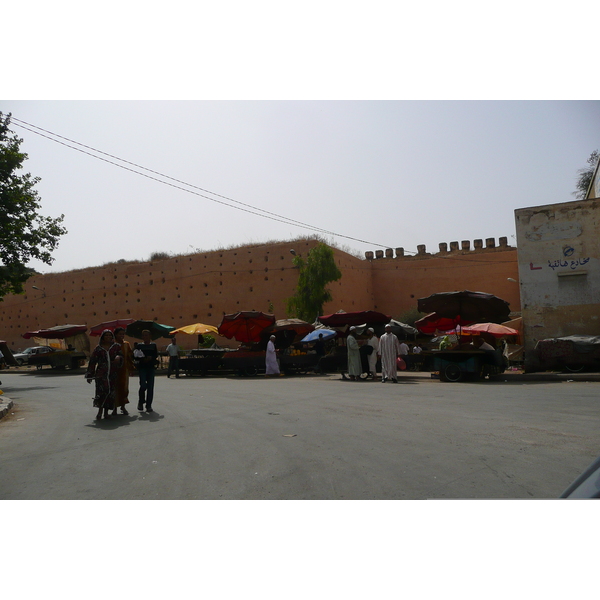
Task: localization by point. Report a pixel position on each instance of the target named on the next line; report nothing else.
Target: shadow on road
(124, 420)
(9, 389)
(113, 422)
(519, 381)
(151, 417)
(52, 372)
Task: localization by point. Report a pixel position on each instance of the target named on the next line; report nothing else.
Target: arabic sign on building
(559, 270)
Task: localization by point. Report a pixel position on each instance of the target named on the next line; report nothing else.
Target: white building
(559, 270)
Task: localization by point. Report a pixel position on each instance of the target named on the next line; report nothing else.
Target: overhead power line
(218, 198)
(224, 200)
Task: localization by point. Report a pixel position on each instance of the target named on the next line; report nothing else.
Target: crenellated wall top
(455, 248)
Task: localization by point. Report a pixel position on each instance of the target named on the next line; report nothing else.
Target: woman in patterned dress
(103, 367)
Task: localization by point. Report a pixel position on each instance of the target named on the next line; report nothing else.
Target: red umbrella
(340, 319)
(432, 322)
(60, 332)
(112, 325)
(494, 329)
(245, 326)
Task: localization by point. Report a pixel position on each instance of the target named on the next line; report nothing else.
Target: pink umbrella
(494, 329)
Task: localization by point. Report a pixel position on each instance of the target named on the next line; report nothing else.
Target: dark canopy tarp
(580, 343)
(476, 307)
(60, 332)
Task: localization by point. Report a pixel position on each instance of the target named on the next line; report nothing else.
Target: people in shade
(145, 357)
(122, 382)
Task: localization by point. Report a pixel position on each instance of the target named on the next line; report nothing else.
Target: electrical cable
(267, 214)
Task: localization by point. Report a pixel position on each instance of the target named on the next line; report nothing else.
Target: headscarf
(102, 335)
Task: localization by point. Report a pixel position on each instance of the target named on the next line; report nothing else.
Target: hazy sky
(393, 172)
(390, 173)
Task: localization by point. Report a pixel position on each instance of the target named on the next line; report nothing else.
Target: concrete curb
(5, 405)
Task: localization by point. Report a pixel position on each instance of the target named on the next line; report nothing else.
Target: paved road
(298, 438)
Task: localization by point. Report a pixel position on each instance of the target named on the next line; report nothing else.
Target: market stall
(459, 310)
(72, 357)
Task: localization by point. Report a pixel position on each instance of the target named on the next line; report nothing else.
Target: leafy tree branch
(24, 233)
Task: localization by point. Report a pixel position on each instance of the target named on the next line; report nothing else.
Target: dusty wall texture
(559, 271)
(203, 287)
(400, 281)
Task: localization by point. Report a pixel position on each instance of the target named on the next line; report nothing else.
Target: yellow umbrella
(196, 329)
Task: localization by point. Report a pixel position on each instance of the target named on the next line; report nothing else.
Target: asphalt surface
(305, 437)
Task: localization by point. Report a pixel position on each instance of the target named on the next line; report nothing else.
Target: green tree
(24, 233)
(585, 176)
(314, 274)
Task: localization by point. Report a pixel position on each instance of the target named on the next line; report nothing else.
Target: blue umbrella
(313, 336)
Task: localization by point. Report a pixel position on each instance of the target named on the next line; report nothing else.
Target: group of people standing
(388, 348)
(110, 365)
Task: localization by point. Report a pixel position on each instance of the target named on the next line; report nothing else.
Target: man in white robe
(389, 350)
(354, 365)
(374, 343)
(271, 358)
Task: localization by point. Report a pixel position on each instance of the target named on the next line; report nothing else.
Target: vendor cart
(245, 362)
(299, 362)
(456, 365)
(573, 353)
(203, 361)
(59, 359)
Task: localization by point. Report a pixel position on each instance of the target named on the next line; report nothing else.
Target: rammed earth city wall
(203, 287)
(400, 280)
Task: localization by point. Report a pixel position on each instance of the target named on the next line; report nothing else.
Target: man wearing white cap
(389, 349)
(272, 368)
(374, 343)
(354, 366)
